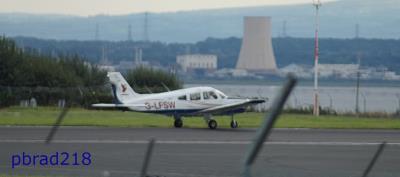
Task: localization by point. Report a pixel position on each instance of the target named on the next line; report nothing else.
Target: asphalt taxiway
(204, 152)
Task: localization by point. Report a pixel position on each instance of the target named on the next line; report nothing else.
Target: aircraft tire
(234, 124)
(178, 123)
(212, 124)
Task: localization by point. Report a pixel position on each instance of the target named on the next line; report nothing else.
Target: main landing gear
(178, 123)
(212, 124)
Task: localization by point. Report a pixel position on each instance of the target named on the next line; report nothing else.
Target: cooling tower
(256, 53)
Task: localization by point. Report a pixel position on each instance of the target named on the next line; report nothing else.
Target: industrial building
(338, 70)
(256, 53)
(197, 61)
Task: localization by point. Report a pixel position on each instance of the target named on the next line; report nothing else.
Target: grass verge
(82, 117)
(7, 175)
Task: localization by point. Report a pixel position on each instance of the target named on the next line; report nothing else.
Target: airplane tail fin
(120, 88)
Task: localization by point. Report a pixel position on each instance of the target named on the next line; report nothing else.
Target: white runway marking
(307, 143)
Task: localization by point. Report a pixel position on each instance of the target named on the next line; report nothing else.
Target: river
(341, 99)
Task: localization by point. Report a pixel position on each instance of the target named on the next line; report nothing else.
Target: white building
(108, 68)
(197, 61)
(225, 72)
(340, 71)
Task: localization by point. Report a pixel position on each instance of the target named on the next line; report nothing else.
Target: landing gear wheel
(234, 124)
(178, 123)
(212, 124)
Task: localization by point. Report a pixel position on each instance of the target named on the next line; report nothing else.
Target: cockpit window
(206, 95)
(183, 97)
(195, 96)
(213, 95)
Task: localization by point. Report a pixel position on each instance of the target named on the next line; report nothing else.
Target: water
(341, 99)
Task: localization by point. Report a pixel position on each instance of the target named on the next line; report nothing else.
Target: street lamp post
(317, 4)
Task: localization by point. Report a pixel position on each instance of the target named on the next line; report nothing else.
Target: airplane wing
(227, 107)
(105, 105)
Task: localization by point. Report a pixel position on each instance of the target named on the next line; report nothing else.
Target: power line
(146, 27)
(357, 31)
(129, 32)
(284, 34)
(96, 35)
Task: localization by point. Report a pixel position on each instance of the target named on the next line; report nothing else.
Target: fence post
(374, 159)
(398, 99)
(57, 124)
(269, 120)
(146, 161)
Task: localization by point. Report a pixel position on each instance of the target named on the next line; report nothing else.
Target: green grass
(4, 175)
(83, 117)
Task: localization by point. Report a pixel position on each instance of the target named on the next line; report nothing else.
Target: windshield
(221, 95)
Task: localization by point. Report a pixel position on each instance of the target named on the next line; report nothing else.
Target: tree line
(26, 75)
(287, 50)
(49, 79)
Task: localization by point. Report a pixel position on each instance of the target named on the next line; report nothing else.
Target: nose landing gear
(234, 123)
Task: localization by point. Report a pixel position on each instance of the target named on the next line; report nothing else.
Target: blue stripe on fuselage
(193, 111)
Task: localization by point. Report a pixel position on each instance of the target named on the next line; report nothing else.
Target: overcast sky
(114, 7)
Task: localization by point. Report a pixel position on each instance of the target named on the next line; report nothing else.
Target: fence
(338, 99)
(53, 96)
(249, 159)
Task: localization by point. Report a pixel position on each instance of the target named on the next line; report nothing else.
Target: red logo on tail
(123, 87)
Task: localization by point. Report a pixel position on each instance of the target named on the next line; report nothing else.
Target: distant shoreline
(302, 82)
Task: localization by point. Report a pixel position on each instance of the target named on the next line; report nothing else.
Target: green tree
(25, 75)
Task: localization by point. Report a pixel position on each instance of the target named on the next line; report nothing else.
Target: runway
(203, 152)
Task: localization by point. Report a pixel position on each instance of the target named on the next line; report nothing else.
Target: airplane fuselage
(183, 102)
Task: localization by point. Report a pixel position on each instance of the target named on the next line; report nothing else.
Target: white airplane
(204, 101)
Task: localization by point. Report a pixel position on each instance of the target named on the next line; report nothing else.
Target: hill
(376, 19)
(375, 52)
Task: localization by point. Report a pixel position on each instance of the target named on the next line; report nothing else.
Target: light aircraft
(196, 101)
